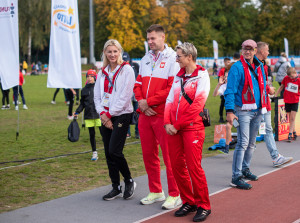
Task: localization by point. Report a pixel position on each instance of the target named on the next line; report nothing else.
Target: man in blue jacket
(245, 101)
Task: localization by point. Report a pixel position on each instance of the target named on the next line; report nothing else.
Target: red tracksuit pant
(186, 155)
(153, 133)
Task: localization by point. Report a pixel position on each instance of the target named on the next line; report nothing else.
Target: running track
(275, 197)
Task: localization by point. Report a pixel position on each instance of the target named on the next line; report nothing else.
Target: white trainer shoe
(17, 108)
(280, 160)
(53, 102)
(153, 197)
(70, 117)
(95, 156)
(25, 107)
(171, 203)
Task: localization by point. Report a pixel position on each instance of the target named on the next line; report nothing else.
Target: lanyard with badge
(106, 96)
(155, 58)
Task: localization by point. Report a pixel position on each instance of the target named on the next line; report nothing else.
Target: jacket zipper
(178, 105)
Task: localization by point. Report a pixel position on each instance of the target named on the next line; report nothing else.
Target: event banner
(64, 57)
(9, 44)
(282, 123)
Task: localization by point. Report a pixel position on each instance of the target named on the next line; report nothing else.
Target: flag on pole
(146, 46)
(286, 47)
(64, 57)
(216, 50)
(9, 44)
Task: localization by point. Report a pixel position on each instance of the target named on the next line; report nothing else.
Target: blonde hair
(290, 71)
(112, 42)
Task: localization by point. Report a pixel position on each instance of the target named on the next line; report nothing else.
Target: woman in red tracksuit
(186, 132)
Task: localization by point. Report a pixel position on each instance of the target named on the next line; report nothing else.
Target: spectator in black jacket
(91, 117)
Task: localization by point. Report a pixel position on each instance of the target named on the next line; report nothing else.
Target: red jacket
(155, 79)
(21, 78)
(178, 111)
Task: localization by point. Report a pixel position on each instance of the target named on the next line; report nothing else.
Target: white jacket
(120, 99)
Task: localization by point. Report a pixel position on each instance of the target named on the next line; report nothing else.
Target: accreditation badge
(105, 100)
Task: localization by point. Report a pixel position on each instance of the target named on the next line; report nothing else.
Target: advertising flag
(9, 44)
(146, 46)
(216, 50)
(64, 57)
(286, 47)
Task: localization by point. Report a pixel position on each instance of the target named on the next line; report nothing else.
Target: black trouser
(15, 90)
(114, 141)
(93, 137)
(5, 95)
(77, 94)
(55, 93)
(222, 106)
(70, 98)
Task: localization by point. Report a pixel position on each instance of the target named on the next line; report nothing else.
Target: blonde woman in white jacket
(112, 97)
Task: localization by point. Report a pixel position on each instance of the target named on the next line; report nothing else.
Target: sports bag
(73, 131)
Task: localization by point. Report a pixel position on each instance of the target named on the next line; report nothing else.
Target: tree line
(229, 22)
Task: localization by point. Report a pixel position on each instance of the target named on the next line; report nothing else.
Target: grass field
(43, 133)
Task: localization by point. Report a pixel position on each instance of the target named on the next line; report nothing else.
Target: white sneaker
(153, 197)
(19, 102)
(3, 107)
(53, 102)
(171, 203)
(95, 156)
(280, 160)
(70, 117)
(17, 108)
(25, 107)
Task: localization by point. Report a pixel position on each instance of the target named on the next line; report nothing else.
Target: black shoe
(221, 120)
(114, 193)
(129, 190)
(201, 214)
(137, 135)
(295, 135)
(290, 137)
(248, 175)
(185, 209)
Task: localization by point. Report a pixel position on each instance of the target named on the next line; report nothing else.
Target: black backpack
(73, 131)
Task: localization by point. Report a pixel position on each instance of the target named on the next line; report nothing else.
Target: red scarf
(248, 98)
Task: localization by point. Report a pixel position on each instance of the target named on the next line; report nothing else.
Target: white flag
(179, 42)
(9, 44)
(64, 57)
(216, 50)
(146, 47)
(286, 47)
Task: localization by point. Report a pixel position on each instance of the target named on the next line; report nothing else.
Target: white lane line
(219, 191)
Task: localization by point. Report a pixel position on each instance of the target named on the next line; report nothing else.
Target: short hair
(226, 59)
(188, 49)
(260, 45)
(283, 54)
(112, 42)
(156, 28)
(228, 67)
(236, 56)
(290, 70)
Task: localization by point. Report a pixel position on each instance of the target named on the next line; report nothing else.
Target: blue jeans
(246, 140)
(269, 137)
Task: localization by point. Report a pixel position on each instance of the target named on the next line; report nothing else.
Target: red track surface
(274, 198)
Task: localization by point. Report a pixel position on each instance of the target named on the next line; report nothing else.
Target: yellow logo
(63, 18)
(120, 125)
